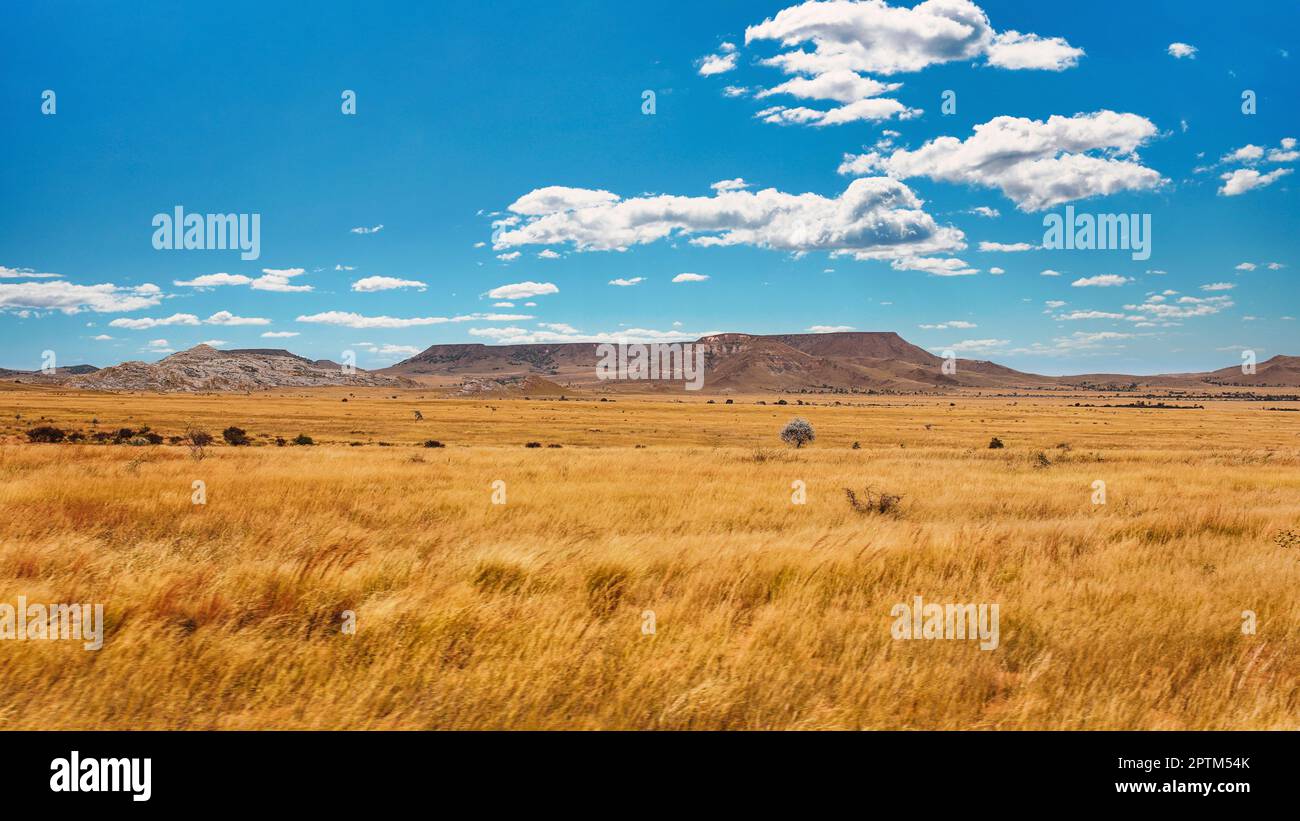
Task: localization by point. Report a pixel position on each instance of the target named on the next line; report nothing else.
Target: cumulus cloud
(716, 64)
(213, 280)
(1035, 163)
(874, 218)
(625, 283)
(872, 36)
(1181, 50)
(348, 319)
(227, 318)
(25, 273)
(523, 290)
(1242, 180)
(688, 277)
(60, 295)
(368, 284)
(738, 184)
(1219, 286)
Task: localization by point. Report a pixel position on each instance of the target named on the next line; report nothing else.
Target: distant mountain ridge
(851, 361)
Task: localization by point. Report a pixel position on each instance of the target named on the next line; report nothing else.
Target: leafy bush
(995, 443)
(532, 444)
(235, 436)
(303, 439)
(797, 432)
(433, 443)
(45, 433)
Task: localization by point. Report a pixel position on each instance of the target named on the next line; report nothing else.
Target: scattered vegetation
(45, 433)
(995, 443)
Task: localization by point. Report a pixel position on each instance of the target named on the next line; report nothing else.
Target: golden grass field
(768, 615)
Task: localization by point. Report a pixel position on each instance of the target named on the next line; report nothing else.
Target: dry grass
(768, 614)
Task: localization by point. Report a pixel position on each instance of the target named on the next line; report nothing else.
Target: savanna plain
(654, 512)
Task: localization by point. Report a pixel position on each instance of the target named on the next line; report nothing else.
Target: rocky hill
(204, 369)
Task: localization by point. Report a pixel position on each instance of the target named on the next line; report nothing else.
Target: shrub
(196, 440)
(280, 441)
(797, 432)
(995, 443)
(555, 446)
(45, 433)
(303, 439)
(433, 443)
(728, 401)
(152, 438)
(872, 502)
(532, 444)
(235, 436)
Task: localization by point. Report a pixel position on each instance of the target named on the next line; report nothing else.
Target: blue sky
(484, 131)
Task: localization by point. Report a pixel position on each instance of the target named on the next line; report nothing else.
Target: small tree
(797, 432)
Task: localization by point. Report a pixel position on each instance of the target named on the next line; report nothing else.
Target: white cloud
(547, 253)
(1245, 179)
(1219, 286)
(227, 318)
(830, 329)
(1101, 281)
(1078, 315)
(985, 211)
(959, 324)
(996, 271)
(977, 345)
(874, 218)
(950, 267)
(1275, 266)
(277, 279)
(738, 184)
(523, 290)
(214, 342)
(1036, 163)
(1181, 50)
(1055, 303)
(369, 284)
(364, 230)
(341, 267)
(1013, 50)
(102, 338)
(875, 37)
(145, 323)
(213, 280)
(24, 273)
(1007, 247)
(503, 304)
(872, 109)
(60, 295)
(354, 320)
(279, 334)
(716, 64)
(159, 346)
(688, 277)
(1183, 308)
(1246, 154)
(1048, 272)
(624, 283)
(1246, 266)
(841, 86)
